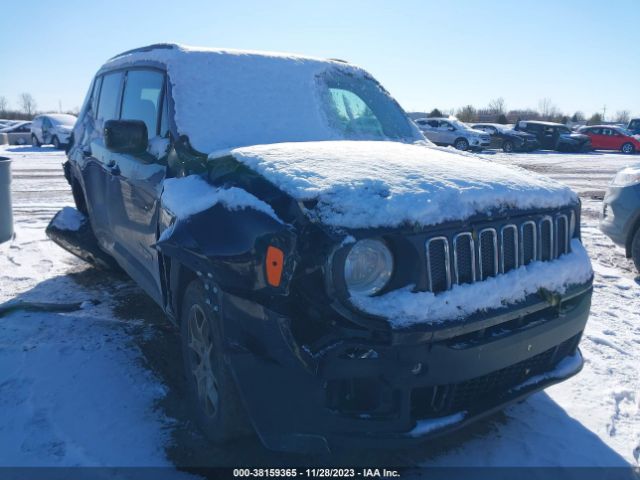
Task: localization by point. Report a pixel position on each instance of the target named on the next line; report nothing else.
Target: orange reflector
(274, 264)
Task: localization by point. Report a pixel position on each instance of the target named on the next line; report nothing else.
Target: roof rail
(148, 48)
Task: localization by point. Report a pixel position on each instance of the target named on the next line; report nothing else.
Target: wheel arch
(635, 226)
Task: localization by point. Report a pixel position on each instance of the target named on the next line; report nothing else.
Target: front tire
(635, 249)
(212, 391)
(507, 146)
(34, 141)
(461, 144)
(628, 148)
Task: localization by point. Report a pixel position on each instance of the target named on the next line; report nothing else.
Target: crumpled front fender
(230, 246)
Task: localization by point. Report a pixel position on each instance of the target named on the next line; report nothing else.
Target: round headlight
(368, 267)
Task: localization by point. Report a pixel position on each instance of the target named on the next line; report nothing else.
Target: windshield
(460, 125)
(358, 108)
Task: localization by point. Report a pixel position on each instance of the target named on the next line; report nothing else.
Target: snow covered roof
(364, 184)
(229, 98)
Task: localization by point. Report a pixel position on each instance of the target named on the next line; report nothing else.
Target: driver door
(446, 132)
(135, 183)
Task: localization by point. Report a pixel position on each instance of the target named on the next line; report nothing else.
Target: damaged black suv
(334, 275)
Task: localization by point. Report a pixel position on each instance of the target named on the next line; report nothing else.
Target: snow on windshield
(226, 98)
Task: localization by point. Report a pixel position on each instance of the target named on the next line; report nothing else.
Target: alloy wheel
(461, 145)
(201, 346)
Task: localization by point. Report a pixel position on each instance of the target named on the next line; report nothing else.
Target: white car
(451, 131)
(18, 134)
(52, 128)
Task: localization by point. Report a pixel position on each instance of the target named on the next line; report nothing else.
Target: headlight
(627, 176)
(368, 267)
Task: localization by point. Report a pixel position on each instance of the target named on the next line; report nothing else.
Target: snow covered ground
(101, 385)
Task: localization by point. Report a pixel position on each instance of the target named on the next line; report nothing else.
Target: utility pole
(604, 112)
(59, 106)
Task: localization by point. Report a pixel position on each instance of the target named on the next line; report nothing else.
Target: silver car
(18, 133)
(451, 131)
(52, 128)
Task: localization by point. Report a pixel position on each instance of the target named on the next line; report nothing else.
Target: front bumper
(397, 392)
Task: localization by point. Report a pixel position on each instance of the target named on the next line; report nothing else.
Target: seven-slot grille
(476, 255)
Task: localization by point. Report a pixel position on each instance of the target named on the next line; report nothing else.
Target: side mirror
(126, 136)
(452, 129)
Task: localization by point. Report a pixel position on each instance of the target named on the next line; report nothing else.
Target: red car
(608, 137)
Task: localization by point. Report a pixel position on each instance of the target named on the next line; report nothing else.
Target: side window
(141, 99)
(595, 131)
(95, 95)
(109, 96)
(433, 123)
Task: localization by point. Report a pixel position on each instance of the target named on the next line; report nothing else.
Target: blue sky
(580, 54)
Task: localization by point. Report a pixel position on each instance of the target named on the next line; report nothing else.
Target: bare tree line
(496, 111)
(26, 108)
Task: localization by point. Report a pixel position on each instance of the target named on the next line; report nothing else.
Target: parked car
(53, 129)
(555, 136)
(507, 138)
(295, 225)
(18, 134)
(634, 126)
(620, 217)
(450, 131)
(607, 137)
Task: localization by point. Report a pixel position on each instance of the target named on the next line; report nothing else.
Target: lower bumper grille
(440, 400)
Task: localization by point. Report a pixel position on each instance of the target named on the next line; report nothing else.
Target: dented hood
(368, 184)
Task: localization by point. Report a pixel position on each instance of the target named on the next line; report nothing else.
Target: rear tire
(635, 249)
(461, 144)
(507, 146)
(628, 148)
(34, 141)
(212, 391)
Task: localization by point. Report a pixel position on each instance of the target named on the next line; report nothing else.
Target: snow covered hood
(361, 184)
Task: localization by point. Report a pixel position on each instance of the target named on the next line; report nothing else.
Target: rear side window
(142, 98)
(109, 96)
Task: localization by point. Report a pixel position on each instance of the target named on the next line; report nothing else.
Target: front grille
(480, 253)
(479, 392)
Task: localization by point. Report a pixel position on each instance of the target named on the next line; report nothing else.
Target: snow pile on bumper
(404, 307)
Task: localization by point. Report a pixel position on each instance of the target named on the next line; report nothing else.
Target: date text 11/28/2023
(316, 472)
